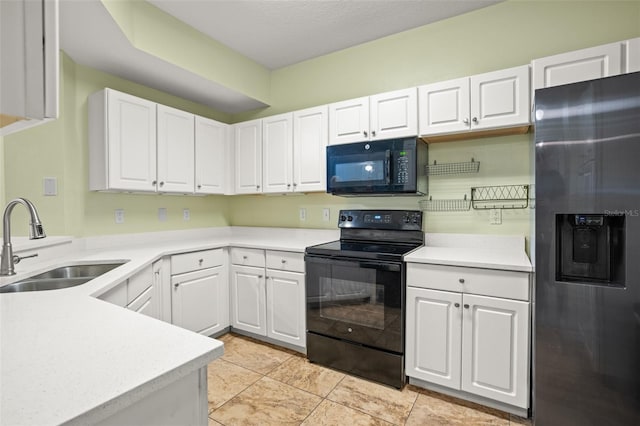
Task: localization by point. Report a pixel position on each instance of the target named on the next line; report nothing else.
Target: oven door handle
(391, 267)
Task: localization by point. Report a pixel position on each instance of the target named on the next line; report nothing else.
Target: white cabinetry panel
(212, 156)
(310, 139)
(175, 150)
(248, 157)
(277, 153)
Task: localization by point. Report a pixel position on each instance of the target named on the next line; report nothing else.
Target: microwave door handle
(387, 163)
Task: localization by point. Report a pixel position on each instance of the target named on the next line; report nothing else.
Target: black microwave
(385, 167)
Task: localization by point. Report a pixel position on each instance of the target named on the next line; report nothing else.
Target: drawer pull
(244, 257)
(176, 285)
(461, 280)
(200, 261)
(466, 306)
(284, 261)
(259, 276)
(457, 305)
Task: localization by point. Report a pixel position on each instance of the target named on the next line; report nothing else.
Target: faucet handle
(17, 259)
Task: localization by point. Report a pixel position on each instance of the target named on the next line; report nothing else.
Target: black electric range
(356, 294)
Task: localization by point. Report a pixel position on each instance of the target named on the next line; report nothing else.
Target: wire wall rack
(500, 197)
(455, 205)
(436, 169)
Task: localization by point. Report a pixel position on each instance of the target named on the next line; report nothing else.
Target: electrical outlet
(326, 215)
(495, 216)
(186, 215)
(162, 214)
(303, 213)
(119, 216)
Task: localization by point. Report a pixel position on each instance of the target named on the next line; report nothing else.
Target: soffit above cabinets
(281, 33)
(220, 52)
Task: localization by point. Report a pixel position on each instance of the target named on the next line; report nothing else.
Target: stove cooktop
(362, 249)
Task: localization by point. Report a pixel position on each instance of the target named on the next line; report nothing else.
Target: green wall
(504, 35)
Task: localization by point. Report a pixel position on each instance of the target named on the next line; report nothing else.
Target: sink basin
(62, 277)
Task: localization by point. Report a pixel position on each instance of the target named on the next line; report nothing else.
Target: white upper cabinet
(277, 153)
(493, 100)
(137, 145)
(285, 153)
(632, 49)
(248, 157)
(394, 114)
(444, 107)
(349, 121)
(28, 63)
(212, 156)
(500, 99)
(175, 150)
(122, 142)
(579, 65)
(382, 116)
(310, 139)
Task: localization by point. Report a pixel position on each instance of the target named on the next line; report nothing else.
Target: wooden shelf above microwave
(476, 135)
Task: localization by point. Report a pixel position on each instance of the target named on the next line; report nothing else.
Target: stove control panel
(381, 219)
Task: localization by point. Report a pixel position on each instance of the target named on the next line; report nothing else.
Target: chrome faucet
(35, 232)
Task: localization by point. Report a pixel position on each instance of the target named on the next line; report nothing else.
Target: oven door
(361, 301)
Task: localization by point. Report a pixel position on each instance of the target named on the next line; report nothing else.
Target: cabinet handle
(364, 132)
(475, 120)
(161, 184)
(457, 305)
(257, 186)
(259, 276)
(373, 133)
(176, 285)
(284, 261)
(465, 121)
(461, 280)
(154, 183)
(199, 186)
(466, 306)
(295, 184)
(288, 185)
(244, 257)
(200, 261)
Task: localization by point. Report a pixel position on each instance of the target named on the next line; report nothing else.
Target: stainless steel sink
(62, 277)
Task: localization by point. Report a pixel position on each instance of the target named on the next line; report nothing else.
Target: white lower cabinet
(267, 294)
(467, 342)
(200, 291)
(140, 293)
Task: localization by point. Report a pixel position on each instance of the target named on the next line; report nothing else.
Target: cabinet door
(200, 300)
(211, 156)
(310, 139)
(145, 304)
(131, 133)
(248, 299)
(248, 153)
(176, 144)
(444, 107)
(394, 114)
(277, 153)
(349, 121)
(632, 48)
(433, 343)
(286, 307)
(579, 65)
(495, 349)
(500, 98)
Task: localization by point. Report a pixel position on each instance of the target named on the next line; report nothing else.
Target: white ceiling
(274, 33)
(277, 33)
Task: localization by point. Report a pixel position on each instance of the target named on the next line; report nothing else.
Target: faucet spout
(36, 231)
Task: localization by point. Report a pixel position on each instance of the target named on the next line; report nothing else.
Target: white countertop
(477, 251)
(68, 357)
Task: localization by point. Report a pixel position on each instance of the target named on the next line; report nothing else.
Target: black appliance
(355, 291)
(587, 296)
(386, 167)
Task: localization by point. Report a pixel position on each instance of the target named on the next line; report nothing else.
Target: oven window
(353, 302)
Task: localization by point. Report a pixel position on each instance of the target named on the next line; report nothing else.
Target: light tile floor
(255, 383)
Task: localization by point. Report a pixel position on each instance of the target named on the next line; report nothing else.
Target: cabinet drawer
(285, 261)
(194, 261)
(489, 282)
(248, 257)
(141, 300)
(139, 283)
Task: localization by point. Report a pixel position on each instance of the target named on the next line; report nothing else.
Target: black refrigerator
(586, 365)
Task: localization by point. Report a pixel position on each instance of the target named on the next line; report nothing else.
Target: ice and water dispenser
(590, 248)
